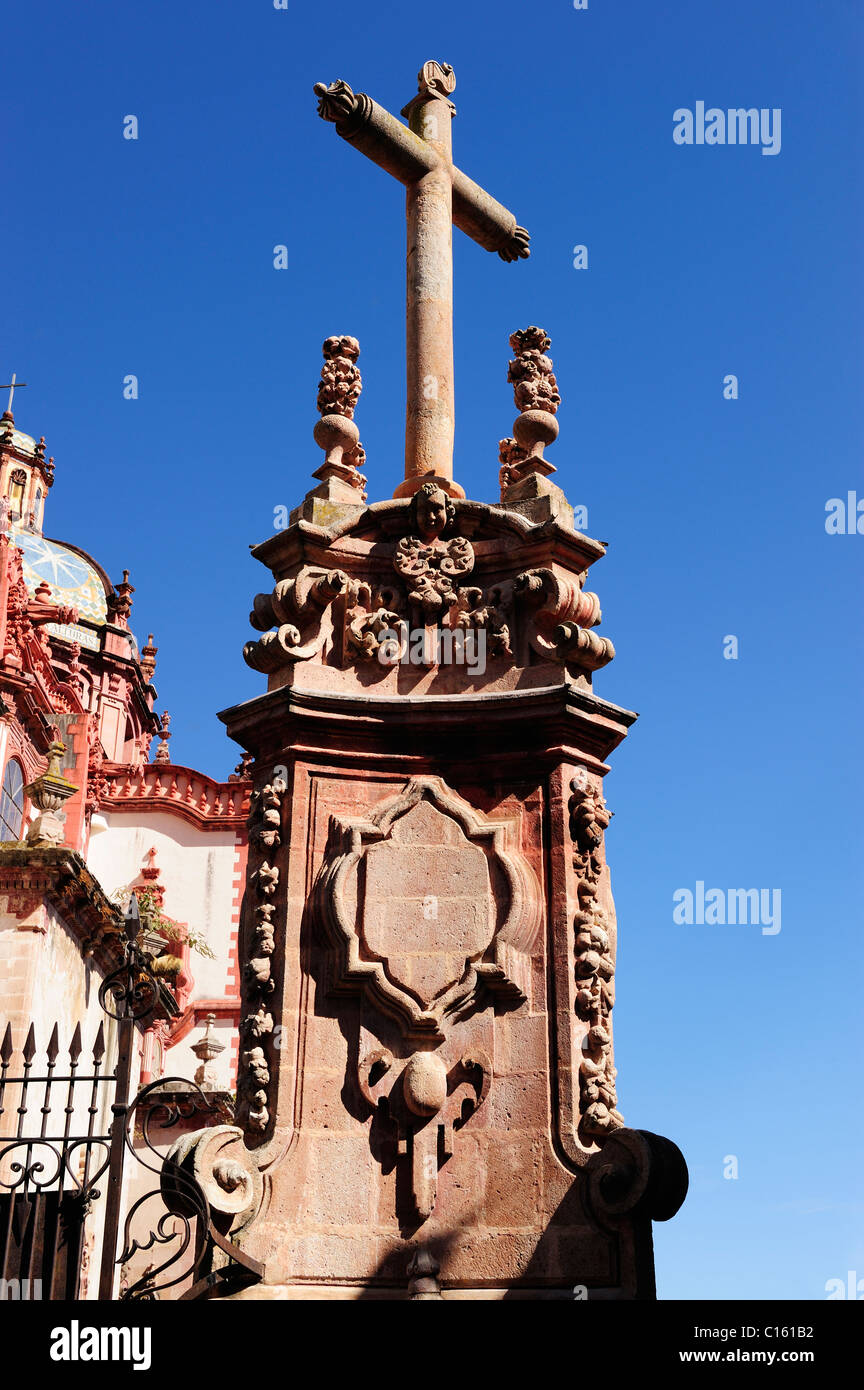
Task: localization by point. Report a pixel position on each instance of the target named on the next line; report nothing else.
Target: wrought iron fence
(49, 1171)
(62, 1164)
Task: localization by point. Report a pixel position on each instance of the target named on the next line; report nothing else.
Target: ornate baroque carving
(424, 1103)
(336, 101)
(298, 606)
(429, 564)
(594, 964)
(338, 617)
(265, 813)
(562, 612)
(535, 392)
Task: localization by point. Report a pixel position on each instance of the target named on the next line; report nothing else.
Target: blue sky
(155, 257)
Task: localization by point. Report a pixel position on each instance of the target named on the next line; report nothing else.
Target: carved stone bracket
(636, 1174)
(222, 1166)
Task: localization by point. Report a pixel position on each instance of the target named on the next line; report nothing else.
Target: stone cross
(438, 195)
(11, 387)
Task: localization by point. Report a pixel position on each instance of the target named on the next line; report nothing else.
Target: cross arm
(487, 221)
(383, 139)
(405, 155)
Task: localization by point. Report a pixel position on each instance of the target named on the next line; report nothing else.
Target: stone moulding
(495, 954)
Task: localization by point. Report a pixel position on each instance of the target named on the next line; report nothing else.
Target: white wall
(197, 869)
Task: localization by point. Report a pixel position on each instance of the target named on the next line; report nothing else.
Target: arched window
(12, 802)
(17, 484)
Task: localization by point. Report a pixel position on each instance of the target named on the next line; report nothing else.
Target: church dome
(76, 580)
(24, 443)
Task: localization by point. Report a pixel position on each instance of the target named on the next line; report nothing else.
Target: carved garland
(265, 815)
(595, 964)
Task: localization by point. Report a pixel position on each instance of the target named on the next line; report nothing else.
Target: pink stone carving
(535, 392)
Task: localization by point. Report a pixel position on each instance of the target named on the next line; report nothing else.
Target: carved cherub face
(431, 513)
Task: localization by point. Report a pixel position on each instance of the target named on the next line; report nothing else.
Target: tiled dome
(74, 578)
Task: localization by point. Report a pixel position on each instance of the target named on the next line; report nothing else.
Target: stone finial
(120, 601)
(534, 384)
(243, 770)
(436, 77)
(163, 754)
(47, 793)
(148, 658)
(336, 433)
(341, 382)
(336, 102)
(207, 1049)
(535, 392)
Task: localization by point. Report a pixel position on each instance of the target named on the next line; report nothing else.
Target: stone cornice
(546, 722)
(61, 879)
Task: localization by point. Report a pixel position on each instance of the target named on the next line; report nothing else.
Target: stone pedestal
(427, 1100)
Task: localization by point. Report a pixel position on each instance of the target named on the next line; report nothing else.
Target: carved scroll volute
(636, 1174)
(560, 614)
(298, 608)
(217, 1161)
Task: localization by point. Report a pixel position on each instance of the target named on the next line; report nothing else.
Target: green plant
(154, 919)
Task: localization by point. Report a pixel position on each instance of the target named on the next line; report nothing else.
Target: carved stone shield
(424, 900)
(427, 903)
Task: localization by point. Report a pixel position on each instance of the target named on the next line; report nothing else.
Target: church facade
(86, 814)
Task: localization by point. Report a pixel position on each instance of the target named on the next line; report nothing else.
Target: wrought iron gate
(63, 1162)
